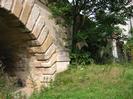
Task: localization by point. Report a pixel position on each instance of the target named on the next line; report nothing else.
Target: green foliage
(95, 27)
(81, 59)
(5, 84)
(128, 49)
(96, 41)
(61, 9)
(129, 44)
(7, 87)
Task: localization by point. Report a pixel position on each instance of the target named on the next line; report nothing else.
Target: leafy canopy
(94, 23)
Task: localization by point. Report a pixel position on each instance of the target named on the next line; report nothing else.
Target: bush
(128, 50)
(81, 59)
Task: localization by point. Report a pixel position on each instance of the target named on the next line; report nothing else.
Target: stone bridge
(32, 45)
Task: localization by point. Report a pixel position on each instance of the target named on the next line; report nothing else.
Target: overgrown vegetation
(94, 25)
(91, 82)
(61, 10)
(112, 81)
(8, 86)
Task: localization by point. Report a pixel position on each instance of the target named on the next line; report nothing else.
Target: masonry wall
(45, 44)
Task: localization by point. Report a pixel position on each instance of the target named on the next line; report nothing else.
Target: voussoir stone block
(49, 71)
(43, 48)
(47, 43)
(48, 54)
(49, 62)
(50, 51)
(7, 4)
(42, 37)
(33, 17)
(40, 23)
(17, 7)
(27, 7)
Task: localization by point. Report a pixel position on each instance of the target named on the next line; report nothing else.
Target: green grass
(91, 82)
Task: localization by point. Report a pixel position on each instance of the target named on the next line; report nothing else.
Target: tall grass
(91, 82)
(82, 82)
(8, 87)
(5, 84)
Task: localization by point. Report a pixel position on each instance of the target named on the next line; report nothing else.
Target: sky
(70, 0)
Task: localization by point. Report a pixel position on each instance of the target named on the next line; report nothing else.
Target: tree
(94, 23)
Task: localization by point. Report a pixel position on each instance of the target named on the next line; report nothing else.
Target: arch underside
(30, 42)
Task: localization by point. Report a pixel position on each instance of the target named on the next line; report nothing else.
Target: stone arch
(48, 55)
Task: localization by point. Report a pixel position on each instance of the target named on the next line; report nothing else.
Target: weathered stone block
(33, 17)
(7, 4)
(48, 54)
(47, 43)
(17, 7)
(43, 48)
(50, 71)
(27, 7)
(50, 51)
(50, 61)
(42, 37)
(38, 27)
(47, 71)
(63, 56)
(48, 78)
(62, 66)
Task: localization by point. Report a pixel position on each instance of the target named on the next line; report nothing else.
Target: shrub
(81, 59)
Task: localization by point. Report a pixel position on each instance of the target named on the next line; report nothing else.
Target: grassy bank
(91, 82)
